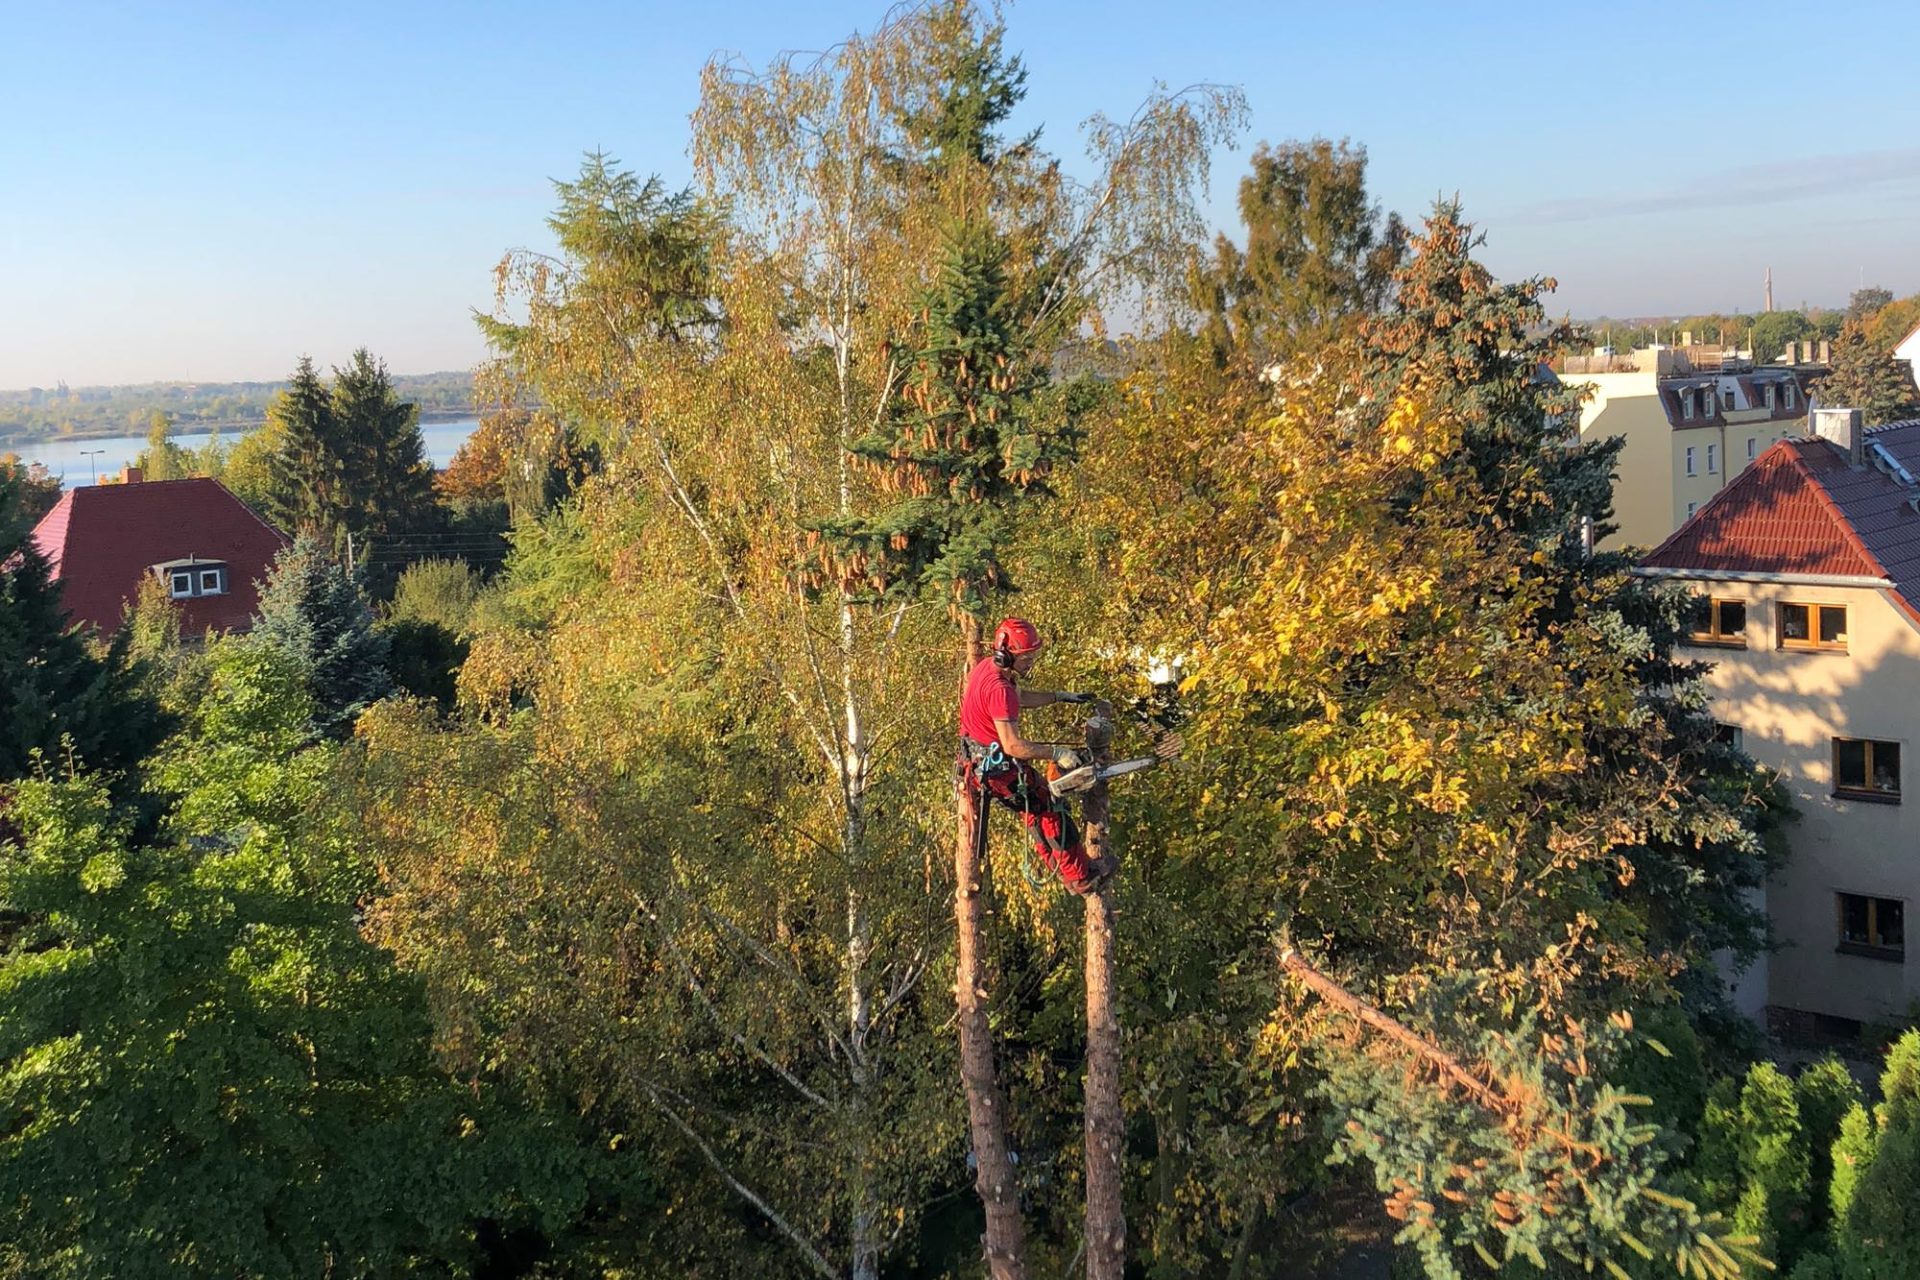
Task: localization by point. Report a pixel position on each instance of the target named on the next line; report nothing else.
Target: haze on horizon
(210, 194)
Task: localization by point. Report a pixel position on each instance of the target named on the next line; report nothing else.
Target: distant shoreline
(10, 441)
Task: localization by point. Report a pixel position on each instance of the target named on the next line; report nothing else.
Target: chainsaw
(1075, 781)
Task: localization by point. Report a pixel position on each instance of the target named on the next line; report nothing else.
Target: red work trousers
(1056, 836)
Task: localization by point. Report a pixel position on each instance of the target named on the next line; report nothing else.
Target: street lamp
(92, 466)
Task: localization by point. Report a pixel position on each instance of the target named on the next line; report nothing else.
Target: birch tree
(863, 176)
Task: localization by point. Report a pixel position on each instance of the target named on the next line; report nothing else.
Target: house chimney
(131, 475)
(1846, 428)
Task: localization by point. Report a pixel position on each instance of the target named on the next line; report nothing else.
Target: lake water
(77, 462)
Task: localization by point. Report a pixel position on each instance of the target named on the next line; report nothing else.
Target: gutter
(1787, 579)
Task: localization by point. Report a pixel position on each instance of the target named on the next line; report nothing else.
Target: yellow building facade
(1692, 420)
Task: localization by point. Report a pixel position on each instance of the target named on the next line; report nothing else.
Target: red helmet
(1015, 636)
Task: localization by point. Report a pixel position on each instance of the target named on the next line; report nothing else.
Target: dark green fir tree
(389, 478)
(308, 492)
(56, 692)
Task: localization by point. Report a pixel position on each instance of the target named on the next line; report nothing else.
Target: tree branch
(772, 1215)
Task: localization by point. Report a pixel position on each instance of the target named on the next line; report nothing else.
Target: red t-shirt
(991, 695)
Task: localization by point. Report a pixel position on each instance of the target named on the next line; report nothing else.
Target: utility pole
(1106, 1222)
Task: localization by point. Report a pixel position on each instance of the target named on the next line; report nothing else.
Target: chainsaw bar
(1086, 775)
(1124, 767)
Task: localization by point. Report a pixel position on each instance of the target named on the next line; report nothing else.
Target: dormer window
(1686, 405)
(1789, 390)
(1767, 393)
(186, 579)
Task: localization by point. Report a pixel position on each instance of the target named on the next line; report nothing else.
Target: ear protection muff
(1003, 655)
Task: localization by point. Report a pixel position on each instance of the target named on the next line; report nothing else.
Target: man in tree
(998, 759)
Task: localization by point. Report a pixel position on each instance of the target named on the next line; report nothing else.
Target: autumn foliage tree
(1432, 732)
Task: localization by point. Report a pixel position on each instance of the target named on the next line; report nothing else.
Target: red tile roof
(1802, 508)
(101, 539)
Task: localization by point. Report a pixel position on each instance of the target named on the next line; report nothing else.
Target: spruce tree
(308, 495)
(1869, 379)
(967, 440)
(389, 481)
(315, 613)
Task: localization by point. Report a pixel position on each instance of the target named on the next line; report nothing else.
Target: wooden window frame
(1713, 460)
(1690, 461)
(1813, 643)
(1873, 949)
(1716, 638)
(219, 587)
(1870, 793)
(173, 584)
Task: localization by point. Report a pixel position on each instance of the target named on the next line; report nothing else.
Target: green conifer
(56, 693)
(307, 495)
(315, 613)
(389, 480)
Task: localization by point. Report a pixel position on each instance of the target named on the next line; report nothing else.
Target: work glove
(1067, 759)
(1072, 697)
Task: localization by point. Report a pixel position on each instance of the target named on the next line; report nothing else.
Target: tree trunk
(1006, 1245)
(1106, 1222)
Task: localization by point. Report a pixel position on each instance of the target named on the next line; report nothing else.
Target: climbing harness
(990, 761)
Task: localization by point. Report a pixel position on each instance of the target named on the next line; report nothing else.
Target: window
(1730, 735)
(1813, 626)
(1719, 622)
(188, 578)
(1691, 508)
(1873, 927)
(1726, 396)
(1690, 452)
(1753, 447)
(1713, 459)
(1686, 409)
(1789, 392)
(1866, 770)
(1767, 392)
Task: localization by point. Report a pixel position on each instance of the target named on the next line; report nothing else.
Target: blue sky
(211, 190)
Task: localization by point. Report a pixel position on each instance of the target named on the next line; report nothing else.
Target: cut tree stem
(1106, 1223)
(1005, 1243)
